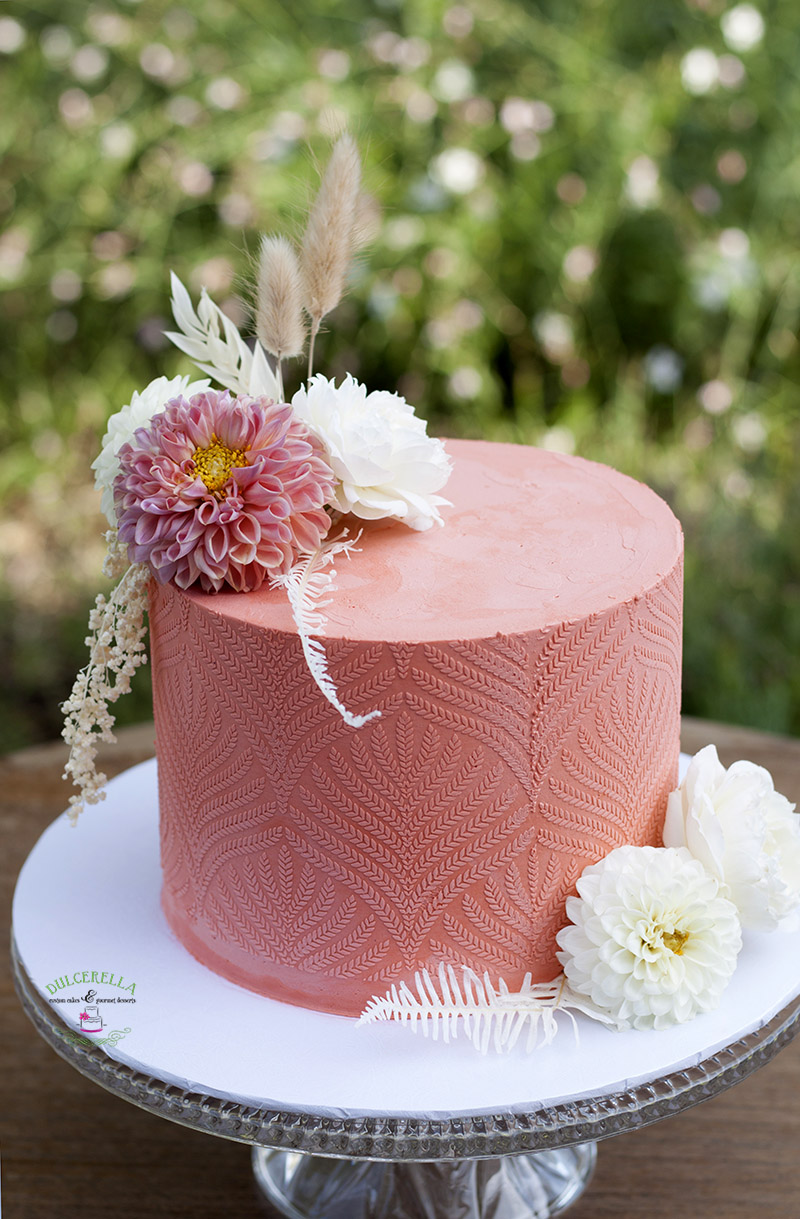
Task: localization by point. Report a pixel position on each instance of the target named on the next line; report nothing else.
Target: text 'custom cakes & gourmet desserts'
(446, 760)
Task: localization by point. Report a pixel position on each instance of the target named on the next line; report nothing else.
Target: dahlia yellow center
(214, 463)
(674, 940)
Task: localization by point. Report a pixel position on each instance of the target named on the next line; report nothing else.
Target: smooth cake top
(532, 539)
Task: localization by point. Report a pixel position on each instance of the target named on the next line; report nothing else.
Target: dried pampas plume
(279, 308)
(328, 239)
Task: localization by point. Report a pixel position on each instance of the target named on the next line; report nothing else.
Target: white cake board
(87, 899)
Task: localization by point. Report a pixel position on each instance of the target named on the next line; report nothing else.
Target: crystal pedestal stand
(364, 1123)
(509, 1187)
(491, 1166)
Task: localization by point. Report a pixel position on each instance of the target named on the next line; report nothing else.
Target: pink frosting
(526, 660)
(532, 539)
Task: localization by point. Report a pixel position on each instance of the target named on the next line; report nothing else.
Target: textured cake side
(314, 862)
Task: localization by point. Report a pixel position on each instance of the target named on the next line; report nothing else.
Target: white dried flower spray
(116, 650)
(280, 324)
(328, 240)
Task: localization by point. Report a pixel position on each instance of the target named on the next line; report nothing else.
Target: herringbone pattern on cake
(451, 829)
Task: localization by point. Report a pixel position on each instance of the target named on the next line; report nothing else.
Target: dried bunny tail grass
(280, 325)
(367, 221)
(328, 239)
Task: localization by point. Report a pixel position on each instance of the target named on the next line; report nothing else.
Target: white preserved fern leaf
(212, 340)
(306, 584)
(491, 1016)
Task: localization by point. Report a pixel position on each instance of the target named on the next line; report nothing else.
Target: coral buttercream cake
(417, 702)
(525, 660)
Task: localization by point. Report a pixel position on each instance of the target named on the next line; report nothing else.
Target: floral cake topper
(226, 484)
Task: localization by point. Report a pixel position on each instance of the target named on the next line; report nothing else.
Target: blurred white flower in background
(453, 81)
(12, 35)
(742, 27)
(57, 43)
(750, 432)
(459, 170)
(723, 270)
(333, 64)
(732, 73)
(642, 186)
(117, 141)
(715, 397)
(580, 263)
(14, 246)
(733, 244)
(663, 369)
(558, 440)
(519, 114)
(699, 71)
(224, 93)
(66, 285)
(554, 332)
(466, 383)
(89, 62)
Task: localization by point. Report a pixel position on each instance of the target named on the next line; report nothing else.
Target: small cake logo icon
(90, 1019)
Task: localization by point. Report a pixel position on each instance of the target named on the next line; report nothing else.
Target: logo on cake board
(100, 994)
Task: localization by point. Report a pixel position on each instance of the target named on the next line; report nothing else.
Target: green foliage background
(589, 241)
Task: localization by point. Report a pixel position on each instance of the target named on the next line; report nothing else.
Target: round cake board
(87, 912)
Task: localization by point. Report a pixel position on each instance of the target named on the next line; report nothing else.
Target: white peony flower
(743, 832)
(385, 463)
(652, 941)
(121, 427)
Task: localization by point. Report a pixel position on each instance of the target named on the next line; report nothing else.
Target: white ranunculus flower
(652, 942)
(121, 427)
(385, 463)
(743, 832)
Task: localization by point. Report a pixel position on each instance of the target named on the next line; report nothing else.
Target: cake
(525, 659)
(441, 769)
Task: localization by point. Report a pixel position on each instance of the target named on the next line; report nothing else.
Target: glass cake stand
(474, 1166)
(362, 1123)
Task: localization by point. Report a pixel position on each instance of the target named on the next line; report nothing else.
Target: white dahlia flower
(743, 832)
(652, 941)
(121, 427)
(385, 463)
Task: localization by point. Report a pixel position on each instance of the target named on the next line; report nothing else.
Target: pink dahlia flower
(221, 490)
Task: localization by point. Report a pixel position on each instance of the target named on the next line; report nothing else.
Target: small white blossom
(385, 463)
(121, 427)
(744, 833)
(652, 941)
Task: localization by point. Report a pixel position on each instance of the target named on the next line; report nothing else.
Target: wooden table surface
(69, 1149)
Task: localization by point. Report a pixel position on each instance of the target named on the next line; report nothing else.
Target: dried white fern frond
(491, 1016)
(279, 302)
(306, 584)
(212, 340)
(328, 240)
